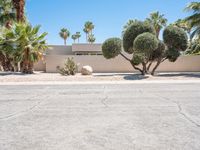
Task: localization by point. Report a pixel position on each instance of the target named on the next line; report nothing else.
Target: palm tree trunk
(65, 41)
(25, 62)
(19, 6)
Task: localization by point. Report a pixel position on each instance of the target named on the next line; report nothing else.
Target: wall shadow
(189, 75)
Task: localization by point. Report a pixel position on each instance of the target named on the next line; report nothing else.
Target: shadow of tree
(13, 73)
(135, 77)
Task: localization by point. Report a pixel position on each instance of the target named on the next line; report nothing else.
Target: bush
(172, 54)
(137, 59)
(145, 43)
(70, 67)
(111, 48)
(175, 37)
(132, 32)
(140, 40)
(159, 52)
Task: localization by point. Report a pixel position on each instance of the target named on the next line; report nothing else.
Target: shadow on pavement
(189, 75)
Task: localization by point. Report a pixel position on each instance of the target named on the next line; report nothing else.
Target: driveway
(151, 116)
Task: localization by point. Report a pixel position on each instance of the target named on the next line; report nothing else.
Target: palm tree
(91, 38)
(74, 37)
(86, 32)
(78, 35)
(19, 6)
(88, 29)
(194, 19)
(24, 45)
(7, 17)
(64, 33)
(7, 13)
(158, 21)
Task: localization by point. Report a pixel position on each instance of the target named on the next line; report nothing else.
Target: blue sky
(109, 16)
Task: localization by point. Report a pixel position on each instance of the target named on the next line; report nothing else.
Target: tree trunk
(25, 64)
(144, 71)
(19, 6)
(65, 41)
(154, 69)
(149, 66)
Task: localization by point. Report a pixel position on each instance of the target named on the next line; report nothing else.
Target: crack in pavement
(180, 111)
(26, 110)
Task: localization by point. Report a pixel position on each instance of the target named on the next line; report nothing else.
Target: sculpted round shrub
(112, 47)
(137, 28)
(175, 37)
(159, 52)
(145, 43)
(172, 54)
(137, 59)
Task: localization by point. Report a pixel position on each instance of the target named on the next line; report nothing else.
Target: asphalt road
(100, 117)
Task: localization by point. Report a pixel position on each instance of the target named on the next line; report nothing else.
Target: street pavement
(148, 116)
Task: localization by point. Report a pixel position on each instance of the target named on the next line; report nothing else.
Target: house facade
(91, 54)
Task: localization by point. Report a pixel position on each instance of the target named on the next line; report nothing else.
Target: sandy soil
(39, 76)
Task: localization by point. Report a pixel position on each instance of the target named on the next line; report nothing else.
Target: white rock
(86, 70)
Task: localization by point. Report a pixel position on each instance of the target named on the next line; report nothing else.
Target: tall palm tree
(24, 44)
(86, 33)
(158, 21)
(74, 37)
(78, 35)
(64, 33)
(19, 6)
(7, 17)
(91, 38)
(7, 13)
(194, 19)
(88, 29)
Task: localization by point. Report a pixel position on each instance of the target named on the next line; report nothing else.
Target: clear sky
(109, 16)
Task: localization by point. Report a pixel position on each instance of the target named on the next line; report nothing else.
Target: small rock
(86, 70)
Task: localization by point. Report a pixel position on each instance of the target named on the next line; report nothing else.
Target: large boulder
(86, 70)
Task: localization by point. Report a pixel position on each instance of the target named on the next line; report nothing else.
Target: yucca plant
(70, 67)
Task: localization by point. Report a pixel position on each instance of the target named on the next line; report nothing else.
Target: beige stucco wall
(119, 64)
(40, 66)
(86, 47)
(59, 50)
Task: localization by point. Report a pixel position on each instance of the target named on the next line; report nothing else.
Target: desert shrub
(70, 67)
(175, 37)
(135, 29)
(111, 48)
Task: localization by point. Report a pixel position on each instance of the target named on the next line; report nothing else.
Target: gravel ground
(39, 76)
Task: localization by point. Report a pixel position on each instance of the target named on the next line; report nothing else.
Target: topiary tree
(141, 41)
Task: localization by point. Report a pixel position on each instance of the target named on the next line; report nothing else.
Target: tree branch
(125, 57)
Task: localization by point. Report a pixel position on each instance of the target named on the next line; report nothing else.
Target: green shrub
(111, 48)
(135, 29)
(70, 67)
(137, 59)
(172, 54)
(145, 43)
(175, 37)
(158, 53)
